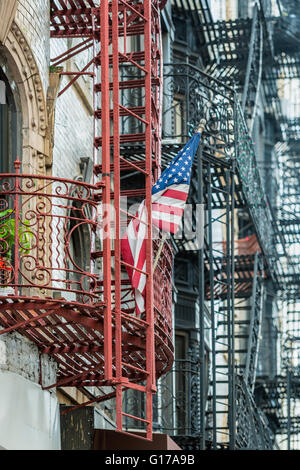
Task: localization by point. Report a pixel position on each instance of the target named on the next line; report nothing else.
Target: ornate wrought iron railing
(253, 190)
(190, 95)
(45, 223)
(42, 220)
(252, 430)
(51, 282)
(177, 408)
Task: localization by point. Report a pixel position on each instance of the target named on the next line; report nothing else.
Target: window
(78, 254)
(182, 383)
(10, 135)
(180, 116)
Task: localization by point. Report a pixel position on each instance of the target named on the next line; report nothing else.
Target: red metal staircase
(86, 319)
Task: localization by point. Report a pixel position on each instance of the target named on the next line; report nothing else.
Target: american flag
(169, 195)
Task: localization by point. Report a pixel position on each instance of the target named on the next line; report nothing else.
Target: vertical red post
(17, 165)
(105, 120)
(150, 351)
(116, 157)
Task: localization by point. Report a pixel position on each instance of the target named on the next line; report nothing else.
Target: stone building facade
(52, 135)
(47, 139)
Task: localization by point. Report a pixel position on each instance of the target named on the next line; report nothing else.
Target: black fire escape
(228, 386)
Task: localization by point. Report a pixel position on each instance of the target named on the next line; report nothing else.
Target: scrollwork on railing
(189, 96)
(253, 188)
(252, 430)
(178, 406)
(42, 220)
(162, 288)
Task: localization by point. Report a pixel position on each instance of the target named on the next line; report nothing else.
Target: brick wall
(72, 141)
(33, 18)
(73, 138)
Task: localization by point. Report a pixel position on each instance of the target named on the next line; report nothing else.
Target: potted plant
(7, 241)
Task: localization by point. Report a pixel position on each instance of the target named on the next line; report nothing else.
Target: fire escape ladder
(250, 57)
(126, 95)
(255, 323)
(253, 75)
(93, 329)
(220, 424)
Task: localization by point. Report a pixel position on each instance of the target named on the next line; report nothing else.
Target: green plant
(8, 231)
(56, 69)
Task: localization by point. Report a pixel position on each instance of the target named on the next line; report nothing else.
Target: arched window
(78, 238)
(10, 122)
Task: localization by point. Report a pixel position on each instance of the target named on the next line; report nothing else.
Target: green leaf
(7, 233)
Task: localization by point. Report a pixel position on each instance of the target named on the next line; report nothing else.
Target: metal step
(138, 110)
(247, 307)
(237, 322)
(218, 397)
(124, 138)
(238, 335)
(225, 351)
(220, 382)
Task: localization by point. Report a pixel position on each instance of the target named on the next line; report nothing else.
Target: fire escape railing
(227, 153)
(41, 219)
(253, 431)
(255, 195)
(235, 51)
(60, 290)
(80, 307)
(191, 94)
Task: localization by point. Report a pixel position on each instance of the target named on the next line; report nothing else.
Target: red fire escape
(84, 318)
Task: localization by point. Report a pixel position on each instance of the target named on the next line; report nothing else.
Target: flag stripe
(167, 209)
(166, 217)
(170, 202)
(172, 193)
(169, 195)
(166, 226)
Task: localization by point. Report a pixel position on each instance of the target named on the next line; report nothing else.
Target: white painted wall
(29, 416)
